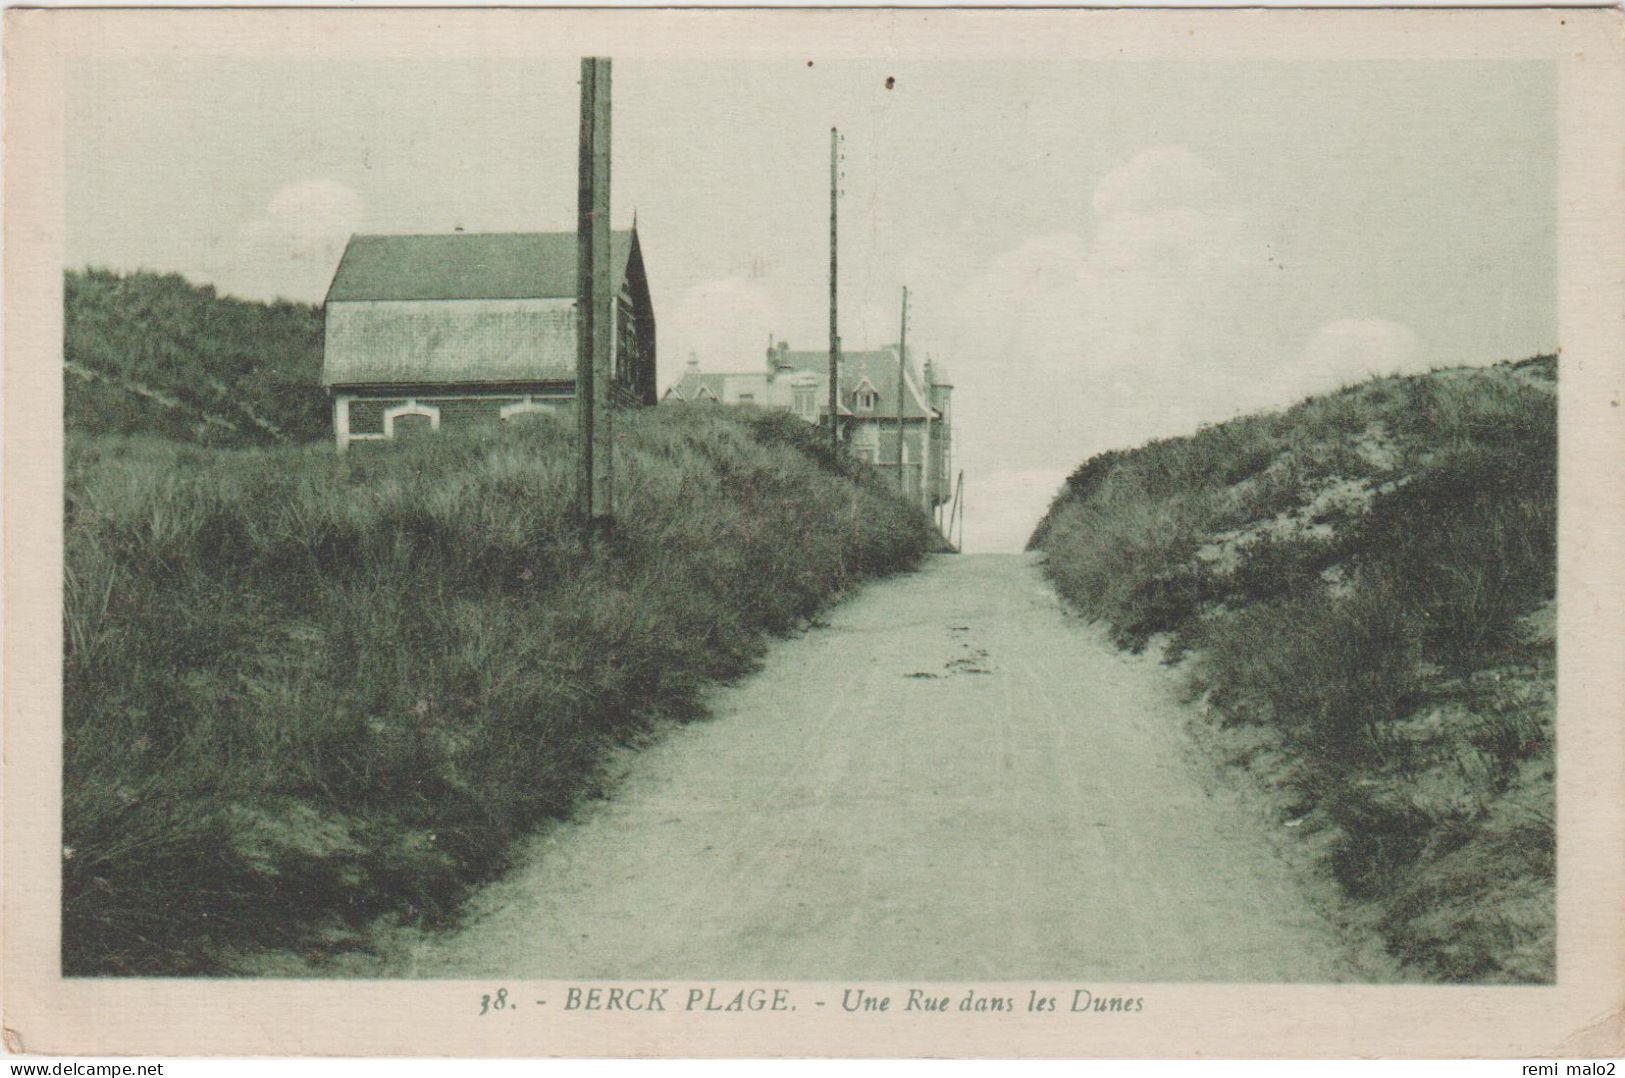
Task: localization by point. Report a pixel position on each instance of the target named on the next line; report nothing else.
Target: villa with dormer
(867, 401)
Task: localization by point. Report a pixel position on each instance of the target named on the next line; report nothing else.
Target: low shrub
(1332, 672)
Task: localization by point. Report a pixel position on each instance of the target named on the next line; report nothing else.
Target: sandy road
(951, 781)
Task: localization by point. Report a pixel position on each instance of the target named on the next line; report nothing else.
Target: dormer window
(867, 399)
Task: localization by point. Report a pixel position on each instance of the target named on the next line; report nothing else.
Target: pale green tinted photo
(955, 521)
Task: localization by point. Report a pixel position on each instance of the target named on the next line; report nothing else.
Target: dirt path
(951, 781)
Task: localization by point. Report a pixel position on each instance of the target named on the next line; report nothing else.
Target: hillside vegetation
(1361, 590)
(304, 691)
(151, 354)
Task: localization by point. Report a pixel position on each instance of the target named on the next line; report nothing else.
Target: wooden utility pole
(902, 389)
(956, 513)
(928, 456)
(834, 324)
(595, 299)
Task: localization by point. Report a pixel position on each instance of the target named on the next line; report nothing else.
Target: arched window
(528, 406)
(409, 411)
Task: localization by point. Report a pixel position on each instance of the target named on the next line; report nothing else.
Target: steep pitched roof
(690, 385)
(879, 366)
(880, 370)
(818, 362)
(466, 265)
(694, 384)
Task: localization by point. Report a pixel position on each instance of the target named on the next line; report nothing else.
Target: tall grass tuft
(1368, 577)
(303, 691)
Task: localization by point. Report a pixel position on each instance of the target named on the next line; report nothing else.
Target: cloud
(1159, 312)
(292, 248)
(311, 210)
(1168, 308)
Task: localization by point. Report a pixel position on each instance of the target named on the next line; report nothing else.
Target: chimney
(693, 361)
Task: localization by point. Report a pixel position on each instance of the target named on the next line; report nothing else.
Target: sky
(1097, 253)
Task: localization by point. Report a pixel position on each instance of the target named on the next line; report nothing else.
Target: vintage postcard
(814, 533)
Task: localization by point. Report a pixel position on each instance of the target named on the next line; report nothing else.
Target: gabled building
(867, 403)
(432, 332)
(734, 387)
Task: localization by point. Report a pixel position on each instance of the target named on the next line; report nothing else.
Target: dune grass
(1368, 580)
(302, 691)
(154, 354)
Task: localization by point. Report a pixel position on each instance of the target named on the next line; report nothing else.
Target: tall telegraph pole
(902, 388)
(834, 330)
(595, 313)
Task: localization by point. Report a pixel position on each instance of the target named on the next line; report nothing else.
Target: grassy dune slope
(154, 354)
(302, 691)
(1362, 589)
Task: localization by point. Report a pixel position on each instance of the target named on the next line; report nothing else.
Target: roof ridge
(466, 265)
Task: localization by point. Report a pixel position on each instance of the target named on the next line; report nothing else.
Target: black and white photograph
(875, 518)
